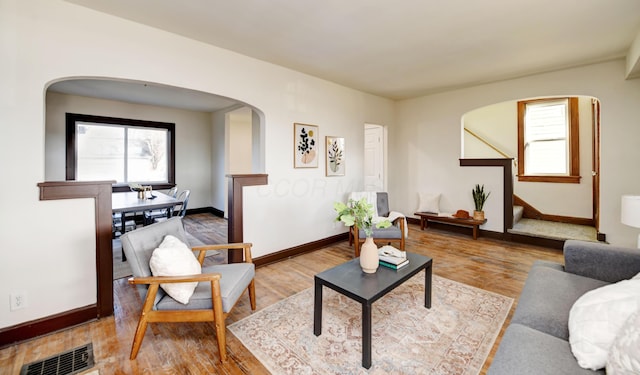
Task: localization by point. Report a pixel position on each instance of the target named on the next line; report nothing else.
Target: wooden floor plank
(190, 348)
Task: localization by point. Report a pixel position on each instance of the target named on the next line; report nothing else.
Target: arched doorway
(198, 117)
(492, 132)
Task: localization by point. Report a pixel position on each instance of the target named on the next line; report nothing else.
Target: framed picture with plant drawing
(305, 146)
(335, 156)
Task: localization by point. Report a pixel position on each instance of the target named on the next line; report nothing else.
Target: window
(548, 140)
(124, 150)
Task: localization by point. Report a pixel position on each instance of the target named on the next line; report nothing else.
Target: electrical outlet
(18, 300)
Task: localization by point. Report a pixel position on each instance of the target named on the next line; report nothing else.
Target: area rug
(453, 337)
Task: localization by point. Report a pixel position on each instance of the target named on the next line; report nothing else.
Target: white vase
(369, 256)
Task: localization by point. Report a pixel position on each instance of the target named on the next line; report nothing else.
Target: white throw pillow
(174, 258)
(624, 355)
(596, 318)
(429, 202)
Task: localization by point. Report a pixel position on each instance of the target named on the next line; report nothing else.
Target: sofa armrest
(600, 261)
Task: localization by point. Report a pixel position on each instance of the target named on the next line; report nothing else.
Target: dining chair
(180, 209)
(218, 290)
(116, 224)
(150, 216)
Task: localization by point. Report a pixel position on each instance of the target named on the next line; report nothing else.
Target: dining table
(130, 202)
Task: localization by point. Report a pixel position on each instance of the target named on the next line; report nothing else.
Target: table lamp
(630, 212)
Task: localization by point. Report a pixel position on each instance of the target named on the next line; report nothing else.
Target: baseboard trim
(205, 210)
(28, 330)
(537, 241)
(298, 250)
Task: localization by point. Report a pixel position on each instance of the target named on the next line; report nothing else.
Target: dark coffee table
(366, 288)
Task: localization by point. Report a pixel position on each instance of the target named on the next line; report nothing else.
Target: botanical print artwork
(305, 153)
(335, 156)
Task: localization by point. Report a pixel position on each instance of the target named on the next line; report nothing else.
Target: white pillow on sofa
(595, 319)
(429, 202)
(174, 258)
(624, 355)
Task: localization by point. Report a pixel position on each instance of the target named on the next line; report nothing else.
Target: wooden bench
(425, 217)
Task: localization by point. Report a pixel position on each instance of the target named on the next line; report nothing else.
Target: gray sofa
(536, 341)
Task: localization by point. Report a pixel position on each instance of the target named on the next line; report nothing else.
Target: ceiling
(405, 48)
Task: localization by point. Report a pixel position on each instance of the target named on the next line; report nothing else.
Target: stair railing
(502, 153)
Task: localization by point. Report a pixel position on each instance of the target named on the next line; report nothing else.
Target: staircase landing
(554, 230)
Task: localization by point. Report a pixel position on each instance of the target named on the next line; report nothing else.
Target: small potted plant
(360, 214)
(479, 197)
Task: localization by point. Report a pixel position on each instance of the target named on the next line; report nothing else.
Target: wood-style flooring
(190, 348)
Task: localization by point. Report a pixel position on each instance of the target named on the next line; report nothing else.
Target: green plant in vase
(359, 213)
(479, 198)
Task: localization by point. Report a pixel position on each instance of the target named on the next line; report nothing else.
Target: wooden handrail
(494, 148)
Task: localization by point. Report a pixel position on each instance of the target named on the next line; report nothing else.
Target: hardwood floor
(190, 348)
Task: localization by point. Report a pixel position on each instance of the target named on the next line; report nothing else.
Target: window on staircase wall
(124, 150)
(548, 140)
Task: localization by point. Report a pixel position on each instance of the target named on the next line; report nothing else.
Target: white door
(373, 158)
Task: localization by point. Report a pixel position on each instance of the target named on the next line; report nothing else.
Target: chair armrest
(600, 261)
(239, 245)
(174, 279)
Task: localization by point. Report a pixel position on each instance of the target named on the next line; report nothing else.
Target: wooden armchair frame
(354, 237)
(216, 314)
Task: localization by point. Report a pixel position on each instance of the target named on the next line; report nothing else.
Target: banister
(503, 154)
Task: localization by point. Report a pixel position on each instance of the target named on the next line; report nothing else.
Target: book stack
(392, 258)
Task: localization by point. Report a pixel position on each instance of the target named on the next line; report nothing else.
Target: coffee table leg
(366, 335)
(317, 309)
(427, 286)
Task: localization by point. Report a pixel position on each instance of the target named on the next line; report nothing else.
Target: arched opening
(202, 132)
(542, 208)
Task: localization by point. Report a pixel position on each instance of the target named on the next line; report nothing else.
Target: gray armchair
(395, 233)
(219, 286)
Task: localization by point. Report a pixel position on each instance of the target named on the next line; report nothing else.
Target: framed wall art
(335, 156)
(305, 146)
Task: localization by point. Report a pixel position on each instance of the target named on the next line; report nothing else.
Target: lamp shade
(630, 210)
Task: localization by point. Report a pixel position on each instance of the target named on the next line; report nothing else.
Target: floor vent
(67, 363)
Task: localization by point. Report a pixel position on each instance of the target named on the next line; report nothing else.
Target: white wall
(239, 144)
(427, 140)
(47, 40)
(193, 134)
(498, 124)
(218, 163)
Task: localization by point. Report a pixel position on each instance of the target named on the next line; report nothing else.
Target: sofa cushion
(544, 263)
(596, 318)
(235, 278)
(526, 351)
(547, 298)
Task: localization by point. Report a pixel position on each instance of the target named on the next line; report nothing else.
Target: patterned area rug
(453, 337)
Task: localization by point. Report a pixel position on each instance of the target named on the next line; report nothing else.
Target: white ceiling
(404, 48)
